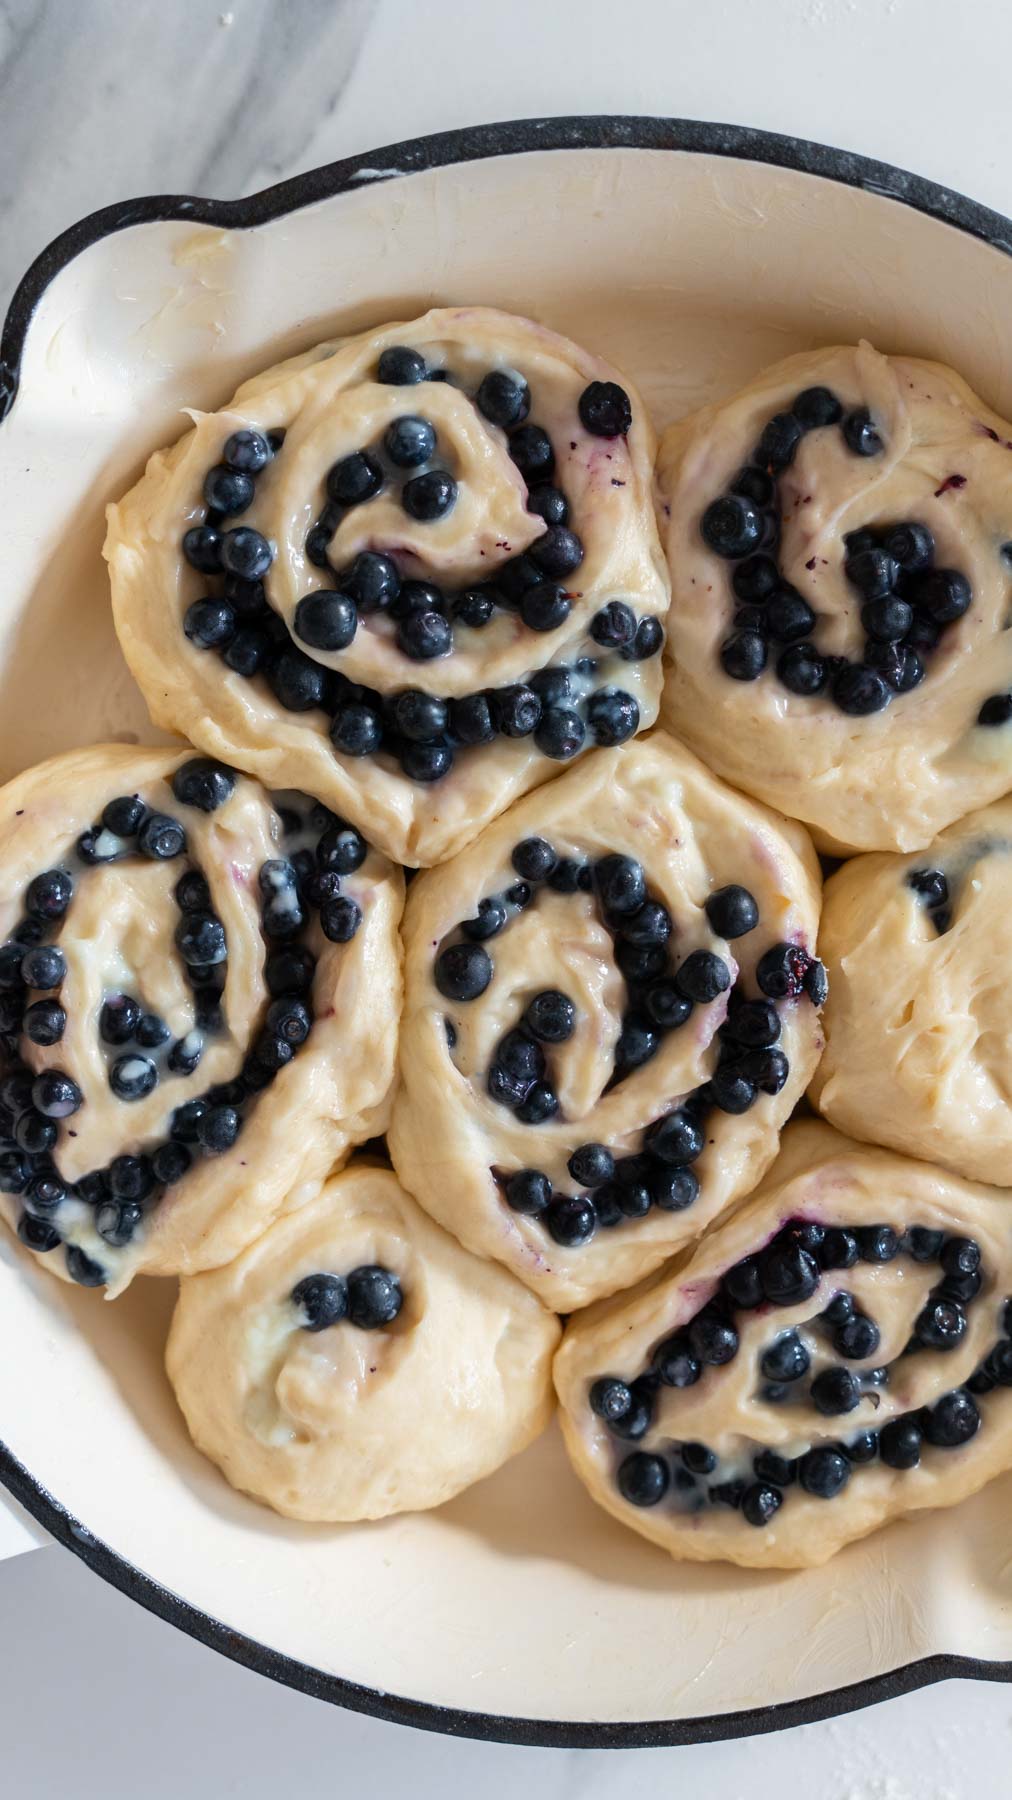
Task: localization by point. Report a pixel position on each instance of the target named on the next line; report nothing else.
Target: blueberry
(824, 1472)
(712, 1338)
(289, 972)
(649, 925)
(591, 1164)
(228, 490)
(534, 859)
(675, 1364)
(400, 367)
(816, 982)
(610, 1399)
(605, 409)
(45, 1022)
(374, 1297)
(528, 1191)
(538, 1104)
(643, 1480)
(488, 922)
(941, 1324)
(897, 664)
(515, 710)
(463, 971)
(676, 1139)
(131, 1177)
(640, 963)
(921, 1243)
(341, 849)
(835, 1391)
(933, 888)
(471, 720)
(322, 1300)
(83, 1269)
(133, 1077)
(900, 1443)
(202, 549)
(545, 607)
(161, 838)
(759, 1503)
(38, 1234)
(728, 1493)
(326, 620)
(742, 1284)
(290, 1019)
(743, 656)
(996, 711)
(778, 1471)
(944, 594)
(549, 503)
(246, 553)
(778, 443)
(200, 938)
(699, 1459)
(648, 641)
(789, 617)
(425, 635)
(551, 1017)
(372, 581)
(170, 1163)
(960, 1256)
(43, 967)
(632, 1199)
(786, 1359)
(55, 1095)
(665, 1005)
(429, 496)
(702, 976)
(781, 971)
(203, 784)
(49, 895)
(860, 435)
(732, 911)
(531, 450)
(637, 1043)
(355, 729)
(841, 1308)
(209, 623)
(732, 1090)
(910, 545)
(560, 733)
(755, 484)
(217, 1129)
(872, 571)
(756, 580)
(877, 1243)
(246, 450)
(503, 399)
(521, 1056)
(409, 441)
(34, 1133)
(474, 607)
(613, 716)
(571, 1221)
(419, 716)
(732, 526)
(514, 580)
(620, 884)
(340, 919)
(789, 1273)
(999, 1363)
(802, 670)
(614, 626)
(952, 1421)
(863, 1448)
(755, 1023)
(504, 1088)
(817, 406)
(354, 479)
(15, 1172)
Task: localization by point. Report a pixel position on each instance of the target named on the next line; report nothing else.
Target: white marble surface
(100, 99)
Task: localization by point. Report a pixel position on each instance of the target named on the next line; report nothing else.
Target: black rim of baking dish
(475, 144)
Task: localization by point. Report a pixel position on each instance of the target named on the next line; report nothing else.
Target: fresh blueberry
(860, 434)
(534, 859)
(817, 406)
(835, 1391)
(400, 367)
(702, 976)
(900, 1443)
(802, 670)
(341, 849)
(756, 580)
(133, 1077)
(538, 1104)
(920, 1242)
(960, 1256)
(781, 971)
(425, 635)
(699, 1459)
(786, 1359)
(953, 1420)
(743, 656)
(419, 716)
(550, 504)
(372, 581)
(789, 1273)
(322, 1300)
(15, 1172)
(228, 490)
(202, 549)
(941, 1324)
(824, 1472)
(591, 1164)
(463, 971)
(49, 895)
(161, 838)
(217, 1129)
(665, 1006)
(755, 484)
(732, 911)
(515, 710)
(675, 1364)
(613, 716)
(759, 1503)
(55, 1095)
(648, 641)
(326, 620)
(560, 733)
(209, 623)
(643, 1480)
(83, 1269)
(203, 784)
(374, 1297)
(742, 1283)
(571, 1220)
(887, 621)
(614, 626)
(340, 919)
(676, 1139)
(38, 1234)
(247, 553)
(118, 1020)
(170, 1163)
(776, 1470)
(248, 451)
(996, 711)
(131, 1177)
(911, 545)
(856, 1338)
(712, 1338)
(503, 399)
(755, 1023)
(731, 1089)
(877, 1243)
(44, 966)
(545, 607)
(637, 1043)
(610, 1399)
(620, 885)
(354, 479)
(429, 496)
(732, 527)
(471, 720)
(778, 443)
(410, 441)
(528, 1191)
(551, 1017)
(872, 571)
(34, 1133)
(944, 594)
(200, 938)
(355, 729)
(475, 607)
(45, 1022)
(531, 450)
(789, 617)
(605, 409)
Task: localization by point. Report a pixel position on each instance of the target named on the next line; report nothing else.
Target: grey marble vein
(103, 100)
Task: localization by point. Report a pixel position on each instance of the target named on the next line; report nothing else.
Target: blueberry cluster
(907, 601)
(787, 1272)
(370, 1297)
(660, 997)
(558, 708)
(932, 889)
(31, 1107)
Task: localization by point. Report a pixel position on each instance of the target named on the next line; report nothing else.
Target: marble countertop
(107, 99)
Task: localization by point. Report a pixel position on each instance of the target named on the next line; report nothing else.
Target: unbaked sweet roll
(412, 572)
(840, 542)
(611, 1009)
(836, 1355)
(199, 995)
(919, 1049)
(355, 1361)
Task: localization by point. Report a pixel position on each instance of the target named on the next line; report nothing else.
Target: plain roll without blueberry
(836, 1355)
(611, 1008)
(200, 986)
(356, 1362)
(412, 572)
(839, 536)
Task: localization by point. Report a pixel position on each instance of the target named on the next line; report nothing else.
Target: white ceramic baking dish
(691, 255)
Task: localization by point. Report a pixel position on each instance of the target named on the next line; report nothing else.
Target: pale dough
(652, 801)
(118, 931)
(330, 404)
(823, 1177)
(343, 1423)
(919, 1052)
(889, 781)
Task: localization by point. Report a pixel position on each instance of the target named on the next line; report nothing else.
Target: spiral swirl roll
(611, 1008)
(835, 1355)
(199, 993)
(411, 572)
(308, 1368)
(840, 542)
